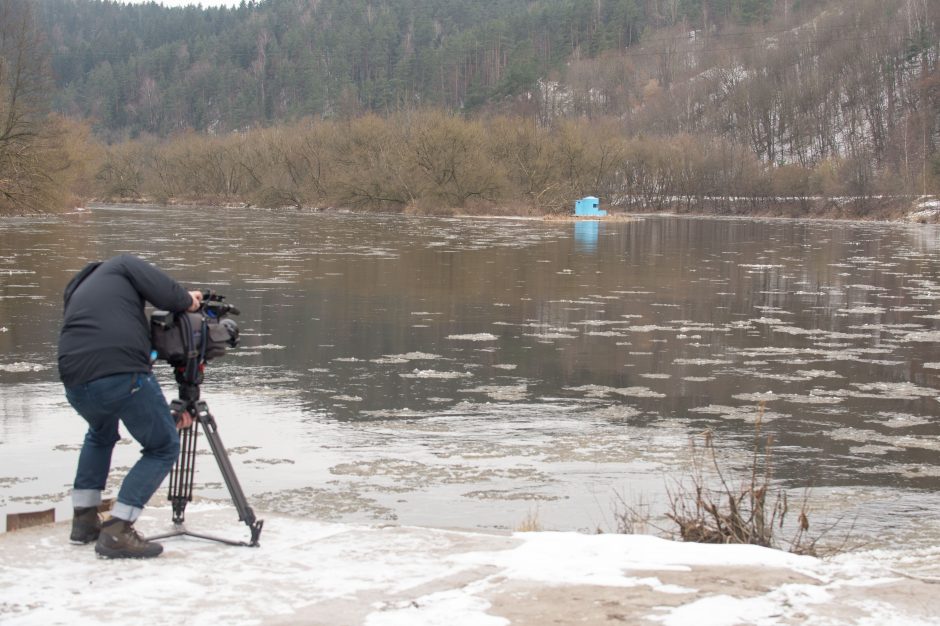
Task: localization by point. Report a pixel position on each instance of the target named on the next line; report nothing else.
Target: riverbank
(923, 209)
(313, 572)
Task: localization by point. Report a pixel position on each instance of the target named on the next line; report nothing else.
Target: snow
(307, 571)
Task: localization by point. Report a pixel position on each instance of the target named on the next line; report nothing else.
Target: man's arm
(157, 287)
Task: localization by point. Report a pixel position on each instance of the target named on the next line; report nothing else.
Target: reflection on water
(470, 372)
(585, 235)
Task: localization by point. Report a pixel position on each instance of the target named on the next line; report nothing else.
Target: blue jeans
(136, 400)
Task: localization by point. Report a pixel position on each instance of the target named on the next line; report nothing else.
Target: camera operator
(105, 366)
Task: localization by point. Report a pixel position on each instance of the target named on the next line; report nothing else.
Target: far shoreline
(923, 210)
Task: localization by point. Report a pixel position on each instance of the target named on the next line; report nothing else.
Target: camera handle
(181, 477)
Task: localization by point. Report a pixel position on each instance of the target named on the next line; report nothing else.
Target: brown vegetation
(430, 161)
(752, 512)
(713, 510)
(39, 167)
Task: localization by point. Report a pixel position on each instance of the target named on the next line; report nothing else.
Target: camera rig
(188, 341)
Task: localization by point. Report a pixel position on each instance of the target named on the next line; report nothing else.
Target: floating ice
(501, 393)
(818, 374)
(638, 392)
(416, 356)
(648, 328)
(766, 396)
(600, 391)
(436, 374)
(749, 414)
(550, 336)
(929, 336)
(701, 362)
(864, 310)
(767, 320)
(813, 397)
(902, 420)
(388, 360)
(21, 366)
(902, 390)
(473, 337)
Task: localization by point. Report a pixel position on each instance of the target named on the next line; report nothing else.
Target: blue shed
(588, 206)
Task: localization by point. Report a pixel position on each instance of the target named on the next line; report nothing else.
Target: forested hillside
(823, 107)
(147, 68)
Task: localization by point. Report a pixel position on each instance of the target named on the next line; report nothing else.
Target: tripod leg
(245, 513)
(181, 477)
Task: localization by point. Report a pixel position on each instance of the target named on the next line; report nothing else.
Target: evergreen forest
(826, 107)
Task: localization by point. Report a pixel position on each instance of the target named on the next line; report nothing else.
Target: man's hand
(183, 420)
(197, 301)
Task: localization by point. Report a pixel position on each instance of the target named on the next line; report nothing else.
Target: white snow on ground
(321, 573)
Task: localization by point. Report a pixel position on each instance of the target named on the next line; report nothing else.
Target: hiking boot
(119, 540)
(85, 525)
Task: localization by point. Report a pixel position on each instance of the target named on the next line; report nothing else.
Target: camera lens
(232, 328)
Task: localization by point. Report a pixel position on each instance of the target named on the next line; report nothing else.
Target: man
(104, 363)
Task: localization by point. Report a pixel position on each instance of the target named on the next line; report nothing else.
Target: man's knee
(169, 449)
(104, 437)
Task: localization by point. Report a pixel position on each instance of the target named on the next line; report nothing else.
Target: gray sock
(125, 512)
(85, 498)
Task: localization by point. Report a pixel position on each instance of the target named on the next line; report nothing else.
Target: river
(477, 373)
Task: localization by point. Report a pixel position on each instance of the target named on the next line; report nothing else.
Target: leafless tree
(30, 142)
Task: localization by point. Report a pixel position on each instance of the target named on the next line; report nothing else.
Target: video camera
(190, 339)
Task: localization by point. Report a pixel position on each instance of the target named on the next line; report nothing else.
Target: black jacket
(105, 330)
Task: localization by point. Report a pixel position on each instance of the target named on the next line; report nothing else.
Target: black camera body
(182, 339)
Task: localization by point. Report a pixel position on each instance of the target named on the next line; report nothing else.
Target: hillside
(145, 68)
(715, 99)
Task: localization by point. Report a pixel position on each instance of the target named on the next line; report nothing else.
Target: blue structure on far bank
(588, 207)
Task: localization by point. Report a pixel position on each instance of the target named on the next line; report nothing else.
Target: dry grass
(531, 523)
(632, 518)
(750, 511)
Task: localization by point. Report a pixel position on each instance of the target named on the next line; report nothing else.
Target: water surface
(472, 373)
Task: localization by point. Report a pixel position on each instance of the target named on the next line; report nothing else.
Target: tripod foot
(182, 532)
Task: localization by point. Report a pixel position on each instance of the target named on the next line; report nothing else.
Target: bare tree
(30, 143)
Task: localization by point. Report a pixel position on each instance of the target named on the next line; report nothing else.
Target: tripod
(188, 380)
